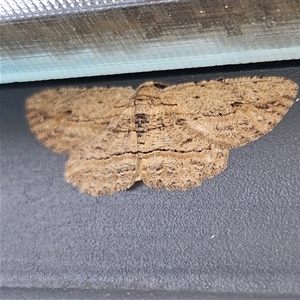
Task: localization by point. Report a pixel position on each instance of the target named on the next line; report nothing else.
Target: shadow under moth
(168, 136)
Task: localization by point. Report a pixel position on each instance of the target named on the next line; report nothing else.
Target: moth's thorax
(141, 118)
(141, 123)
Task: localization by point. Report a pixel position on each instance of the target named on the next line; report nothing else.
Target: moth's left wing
(62, 118)
(107, 161)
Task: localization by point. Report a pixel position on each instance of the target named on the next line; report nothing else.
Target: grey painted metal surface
(238, 233)
(45, 40)
(90, 294)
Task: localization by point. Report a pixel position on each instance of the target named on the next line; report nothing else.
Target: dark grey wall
(237, 233)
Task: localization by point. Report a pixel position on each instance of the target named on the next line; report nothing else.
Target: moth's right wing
(172, 154)
(234, 112)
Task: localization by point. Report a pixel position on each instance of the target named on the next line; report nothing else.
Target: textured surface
(169, 137)
(85, 38)
(93, 294)
(21, 9)
(238, 232)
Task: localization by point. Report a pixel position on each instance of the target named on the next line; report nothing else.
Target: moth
(168, 136)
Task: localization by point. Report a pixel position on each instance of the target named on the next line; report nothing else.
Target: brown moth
(171, 137)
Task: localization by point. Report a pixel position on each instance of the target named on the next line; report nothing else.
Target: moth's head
(150, 91)
(153, 84)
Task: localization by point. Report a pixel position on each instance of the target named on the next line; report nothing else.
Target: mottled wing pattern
(172, 154)
(107, 162)
(192, 126)
(63, 118)
(171, 137)
(96, 128)
(233, 112)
